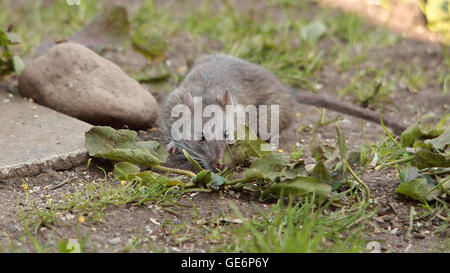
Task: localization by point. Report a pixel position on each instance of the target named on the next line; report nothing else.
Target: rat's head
(208, 143)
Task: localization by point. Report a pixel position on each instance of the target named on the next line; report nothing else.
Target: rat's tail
(345, 108)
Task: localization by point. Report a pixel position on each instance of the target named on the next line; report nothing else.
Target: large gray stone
(74, 80)
(34, 138)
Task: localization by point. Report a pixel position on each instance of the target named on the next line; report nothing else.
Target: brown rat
(222, 80)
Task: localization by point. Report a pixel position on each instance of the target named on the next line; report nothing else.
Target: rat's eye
(226, 134)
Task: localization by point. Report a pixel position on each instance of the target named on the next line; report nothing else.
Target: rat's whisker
(191, 152)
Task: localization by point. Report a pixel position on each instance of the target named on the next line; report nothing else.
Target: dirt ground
(389, 226)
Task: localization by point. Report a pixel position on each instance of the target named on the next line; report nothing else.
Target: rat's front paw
(171, 147)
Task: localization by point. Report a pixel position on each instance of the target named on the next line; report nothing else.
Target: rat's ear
(227, 99)
(188, 100)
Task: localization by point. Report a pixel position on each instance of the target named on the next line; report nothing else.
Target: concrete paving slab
(34, 138)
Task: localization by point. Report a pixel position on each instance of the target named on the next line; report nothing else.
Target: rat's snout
(217, 164)
(216, 158)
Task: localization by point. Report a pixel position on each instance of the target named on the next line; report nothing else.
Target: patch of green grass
(301, 227)
(352, 29)
(384, 150)
(414, 78)
(95, 196)
(34, 20)
(352, 38)
(370, 85)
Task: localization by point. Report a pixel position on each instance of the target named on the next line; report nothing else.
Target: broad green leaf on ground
(301, 185)
(68, 246)
(418, 131)
(417, 189)
(128, 171)
(254, 173)
(150, 177)
(425, 158)
(18, 64)
(408, 173)
(321, 173)
(440, 142)
(251, 142)
(235, 155)
(210, 179)
(313, 31)
(121, 145)
(217, 181)
(269, 167)
(202, 177)
(13, 38)
(295, 169)
(122, 170)
(244, 148)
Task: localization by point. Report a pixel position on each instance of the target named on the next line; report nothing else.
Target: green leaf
(294, 170)
(4, 41)
(121, 145)
(68, 246)
(418, 131)
(408, 173)
(425, 158)
(129, 172)
(417, 189)
(122, 170)
(313, 31)
(216, 181)
(316, 149)
(235, 155)
(13, 38)
(270, 167)
(18, 64)
(301, 185)
(254, 173)
(244, 148)
(210, 179)
(320, 172)
(149, 176)
(202, 177)
(440, 142)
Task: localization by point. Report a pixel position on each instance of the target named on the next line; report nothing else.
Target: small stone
(115, 241)
(394, 231)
